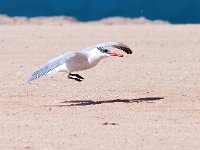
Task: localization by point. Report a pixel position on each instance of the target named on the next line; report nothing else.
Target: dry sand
(119, 105)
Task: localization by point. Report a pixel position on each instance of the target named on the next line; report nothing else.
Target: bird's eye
(103, 50)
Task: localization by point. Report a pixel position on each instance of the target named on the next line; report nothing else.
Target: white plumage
(79, 60)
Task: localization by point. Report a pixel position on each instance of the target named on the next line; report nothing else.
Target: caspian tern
(79, 60)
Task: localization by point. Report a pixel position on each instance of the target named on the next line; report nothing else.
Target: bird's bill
(115, 54)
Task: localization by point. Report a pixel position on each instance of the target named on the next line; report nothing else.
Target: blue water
(174, 11)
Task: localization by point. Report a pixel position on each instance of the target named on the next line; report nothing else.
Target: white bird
(79, 60)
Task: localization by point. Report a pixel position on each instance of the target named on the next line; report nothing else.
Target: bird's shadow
(93, 102)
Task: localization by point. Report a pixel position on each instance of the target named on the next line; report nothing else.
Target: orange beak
(115, 54)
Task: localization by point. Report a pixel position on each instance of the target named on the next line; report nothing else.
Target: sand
(147, 100)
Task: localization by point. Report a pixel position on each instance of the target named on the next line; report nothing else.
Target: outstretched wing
(117, 45)
(52, 64)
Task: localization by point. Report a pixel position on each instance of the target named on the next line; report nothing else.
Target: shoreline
(62, 20)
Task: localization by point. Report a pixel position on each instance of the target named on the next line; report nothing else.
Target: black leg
(77, 77)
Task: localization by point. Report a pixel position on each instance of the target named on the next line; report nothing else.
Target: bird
(75, 61)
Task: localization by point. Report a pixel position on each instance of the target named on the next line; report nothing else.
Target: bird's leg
(77, 77)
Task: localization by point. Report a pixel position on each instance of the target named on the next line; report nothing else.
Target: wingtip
(127, 48)
(28, 81)
(123, 47)
(24, 82)
(130, 51)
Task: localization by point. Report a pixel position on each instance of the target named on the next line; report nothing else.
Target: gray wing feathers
(52, 64)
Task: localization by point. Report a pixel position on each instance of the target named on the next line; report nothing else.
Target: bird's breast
(81, 65)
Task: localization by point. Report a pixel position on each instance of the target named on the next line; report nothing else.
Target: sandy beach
(147, 100)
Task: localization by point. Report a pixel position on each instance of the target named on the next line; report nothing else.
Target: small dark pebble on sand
(106, 123)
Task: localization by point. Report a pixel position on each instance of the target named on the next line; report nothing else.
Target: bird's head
(106, 52)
